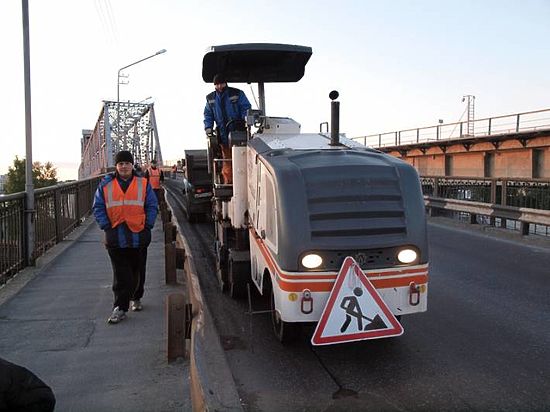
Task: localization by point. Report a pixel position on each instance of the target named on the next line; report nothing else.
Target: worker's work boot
(117, 316)
(136, 305)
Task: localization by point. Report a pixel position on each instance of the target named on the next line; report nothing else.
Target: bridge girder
(120, 126)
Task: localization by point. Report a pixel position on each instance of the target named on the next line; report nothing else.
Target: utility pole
(29, 187)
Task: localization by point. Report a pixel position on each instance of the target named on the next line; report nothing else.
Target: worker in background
(154, 175)
(125, 207)
(225, 104)
(138, 170)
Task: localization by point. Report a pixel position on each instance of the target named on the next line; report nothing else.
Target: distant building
(3, 180)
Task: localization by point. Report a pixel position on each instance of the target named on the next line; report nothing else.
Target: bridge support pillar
(170, 253)
(178, 321)
(180, 258)
(170, 263)
(524, 228)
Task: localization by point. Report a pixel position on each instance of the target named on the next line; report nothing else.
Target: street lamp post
(118, 91)
(29, 186)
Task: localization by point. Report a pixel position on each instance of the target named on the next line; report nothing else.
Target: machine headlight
(312, 261)
(407, 256)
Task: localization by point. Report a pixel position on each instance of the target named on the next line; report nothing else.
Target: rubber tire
(237, 285)
(222, 272)
(286, 332)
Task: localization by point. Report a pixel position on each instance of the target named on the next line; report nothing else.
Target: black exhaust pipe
(334, 119)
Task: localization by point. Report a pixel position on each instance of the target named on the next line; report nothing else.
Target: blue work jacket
(121, 236)
(221, 108)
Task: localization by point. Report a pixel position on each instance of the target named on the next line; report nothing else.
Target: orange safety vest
(154, 177)
(126, 207)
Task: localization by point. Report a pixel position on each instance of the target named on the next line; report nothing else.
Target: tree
(43, 175)
(16, 177)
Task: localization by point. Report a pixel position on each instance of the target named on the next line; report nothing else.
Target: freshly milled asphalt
(55, 325)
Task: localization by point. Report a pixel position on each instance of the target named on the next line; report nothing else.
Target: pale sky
(397, 64)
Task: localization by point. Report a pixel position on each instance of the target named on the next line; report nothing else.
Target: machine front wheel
(239, 272)
(221, 267)
(286, 332)
(192, 217)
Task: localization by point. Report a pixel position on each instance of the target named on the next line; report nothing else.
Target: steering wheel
(240, 125)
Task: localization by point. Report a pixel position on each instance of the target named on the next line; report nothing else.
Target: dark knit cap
(220, 78)
(124, 156)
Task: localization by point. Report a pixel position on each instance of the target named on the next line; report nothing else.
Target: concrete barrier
(212, 384)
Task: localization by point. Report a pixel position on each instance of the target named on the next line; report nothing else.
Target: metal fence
(526, 220)
(518, 193)
(494, 126)
(58, 210)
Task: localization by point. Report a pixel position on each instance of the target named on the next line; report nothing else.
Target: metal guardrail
(212, 385)
(506, 202)
(58, 210)
(525, 216)
(494, 126)
(518, 192)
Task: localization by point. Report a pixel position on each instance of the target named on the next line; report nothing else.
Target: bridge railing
(520, 204)
(58, 210)
(61, 208)
(528, 219)
(493, 126)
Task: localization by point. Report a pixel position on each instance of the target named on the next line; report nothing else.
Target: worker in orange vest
(154, 175)
(125, 207)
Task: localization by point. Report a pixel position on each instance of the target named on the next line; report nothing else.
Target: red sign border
(396, 329)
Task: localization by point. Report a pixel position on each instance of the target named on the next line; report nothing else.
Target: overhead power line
(111, 19)
(107, 21)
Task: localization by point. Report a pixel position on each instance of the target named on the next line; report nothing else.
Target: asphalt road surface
(483, 344)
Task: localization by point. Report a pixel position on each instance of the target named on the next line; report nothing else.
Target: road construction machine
(197, 185)
(300, 203)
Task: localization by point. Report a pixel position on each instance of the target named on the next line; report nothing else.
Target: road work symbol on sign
(354, 310)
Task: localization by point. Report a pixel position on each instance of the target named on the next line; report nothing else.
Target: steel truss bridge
(120, 126)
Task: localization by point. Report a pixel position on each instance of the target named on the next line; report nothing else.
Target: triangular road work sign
(354, 310)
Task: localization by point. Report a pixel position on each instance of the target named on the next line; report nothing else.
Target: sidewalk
(56, 326)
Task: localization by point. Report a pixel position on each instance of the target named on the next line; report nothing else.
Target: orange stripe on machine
(324, 281)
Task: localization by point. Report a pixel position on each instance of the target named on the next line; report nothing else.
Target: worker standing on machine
(227, 106)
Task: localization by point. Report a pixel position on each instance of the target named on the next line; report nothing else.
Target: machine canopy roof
(256, 62)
